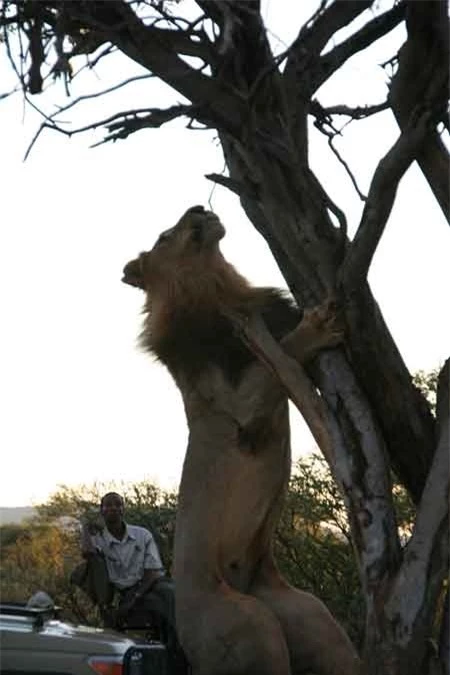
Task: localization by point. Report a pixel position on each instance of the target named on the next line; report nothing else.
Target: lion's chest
(236, 468)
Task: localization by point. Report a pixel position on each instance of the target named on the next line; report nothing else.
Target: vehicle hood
(60, 636)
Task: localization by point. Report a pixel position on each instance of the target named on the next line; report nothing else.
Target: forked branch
(120, 125)
(380, 201)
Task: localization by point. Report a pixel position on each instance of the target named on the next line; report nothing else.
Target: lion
(236, 614)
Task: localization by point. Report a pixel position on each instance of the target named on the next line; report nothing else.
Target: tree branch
(313, 37)
(430, 536)
(363, 479)
(424, 67)
(227, 182)
(379, 203)
(292, 376)
(102, 92)
(121, 124)
(323, 115)
(156, 49)
(160, 57)
(367, 35)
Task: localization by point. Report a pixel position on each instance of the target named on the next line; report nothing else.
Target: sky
(80, 403)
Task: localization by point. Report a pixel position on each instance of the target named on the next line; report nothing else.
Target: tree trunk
(376, 416)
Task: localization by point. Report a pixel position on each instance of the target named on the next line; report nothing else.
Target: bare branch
(225, 181)
(349, 172)
(423, 73)
(372, 31)
(299, 387)
(9, 93)
(156, 49)
(313, 37)
(121, 124)
(324, 124)
(131, 122)
(380, 201)
(88, 97)
(356, 113)
(300, 71)
(364, 480)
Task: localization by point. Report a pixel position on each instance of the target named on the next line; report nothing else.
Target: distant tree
(369, 419)
(9, 533)
(40, 558)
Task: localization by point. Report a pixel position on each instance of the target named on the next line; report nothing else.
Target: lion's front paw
(323, 326)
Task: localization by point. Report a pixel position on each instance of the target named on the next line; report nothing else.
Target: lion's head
(190, 243)
(189, 289)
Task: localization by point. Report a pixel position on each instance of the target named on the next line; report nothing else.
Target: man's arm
(147, 582)
(87, 545)
(153, 567)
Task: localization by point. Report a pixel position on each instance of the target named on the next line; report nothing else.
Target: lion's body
(236, 615)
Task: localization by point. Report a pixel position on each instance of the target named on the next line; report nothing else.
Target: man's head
(112, 507)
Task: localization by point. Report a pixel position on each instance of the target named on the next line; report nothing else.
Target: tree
(369, 419)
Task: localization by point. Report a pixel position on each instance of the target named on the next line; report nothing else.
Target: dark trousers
(155, 609)
(92, 577)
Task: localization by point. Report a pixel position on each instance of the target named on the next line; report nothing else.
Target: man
(123, 564)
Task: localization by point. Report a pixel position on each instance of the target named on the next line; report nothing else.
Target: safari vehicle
(36, 642)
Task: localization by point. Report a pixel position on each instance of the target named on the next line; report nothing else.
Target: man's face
(112, 509)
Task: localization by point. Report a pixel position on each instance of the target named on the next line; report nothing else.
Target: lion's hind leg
(316, 642)
(234, 634)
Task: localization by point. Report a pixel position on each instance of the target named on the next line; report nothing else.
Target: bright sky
(79, 402)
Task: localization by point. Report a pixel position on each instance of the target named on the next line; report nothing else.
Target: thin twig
(129, 123)
(346, 167)
(356, 113)
(380, 200)
(87, 97)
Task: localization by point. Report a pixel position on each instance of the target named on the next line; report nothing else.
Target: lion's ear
(132, 274)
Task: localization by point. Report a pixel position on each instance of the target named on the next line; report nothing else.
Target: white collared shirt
(127, 559)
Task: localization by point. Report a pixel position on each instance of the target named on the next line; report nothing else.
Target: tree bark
(421, 74)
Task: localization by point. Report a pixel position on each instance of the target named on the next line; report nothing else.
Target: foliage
(40, 558)
(427, 381)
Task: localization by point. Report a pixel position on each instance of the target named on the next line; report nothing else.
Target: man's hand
(87, 547)
(127, 604)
